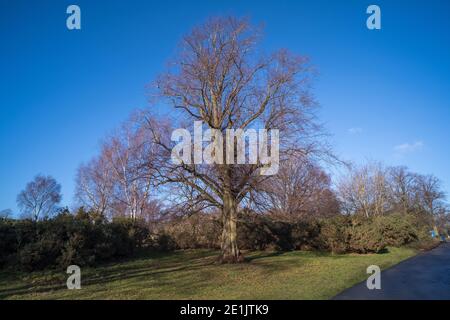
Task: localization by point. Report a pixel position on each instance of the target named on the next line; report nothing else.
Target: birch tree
(40, 197)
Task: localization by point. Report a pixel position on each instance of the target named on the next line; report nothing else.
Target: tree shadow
(264, 255)
(150, 266)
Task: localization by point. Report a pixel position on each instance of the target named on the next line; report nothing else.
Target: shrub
(365, 237)
(197, 231)
(88, 239)
(38, 255)
(134, 232)
(334, 234)
(305, 235)
(164, 242)
(8, 242)
(396, 230)
(255, 233)
(81, 239)
(281, 234)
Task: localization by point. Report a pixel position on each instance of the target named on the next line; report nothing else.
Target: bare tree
(430, 194)
(6, 213)
(301, 189)
(130, 154)
(119, 181)
(403, 188)
(354, 192)
(40, 197)
(364, 190)
(220, 79)
(372, 189)
(380, 190)
(94, 185)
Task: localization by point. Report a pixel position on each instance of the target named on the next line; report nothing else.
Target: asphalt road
(425, 276)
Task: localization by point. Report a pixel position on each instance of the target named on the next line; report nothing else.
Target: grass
(193, 274)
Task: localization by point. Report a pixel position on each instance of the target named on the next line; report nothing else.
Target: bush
(335, 235)
(164, 242)
(343, 234)
(256, 232)
(338, 234)
(306, 235)
(38, 255)
(358, 234)
(81, 239)
(133, 232)
(8, 243)
(365, 237)
(396, 230)
(197, 231)
(87, 239)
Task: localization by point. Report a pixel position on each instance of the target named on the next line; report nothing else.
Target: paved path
(425, 276)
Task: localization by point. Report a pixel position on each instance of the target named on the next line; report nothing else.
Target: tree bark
(229, 246)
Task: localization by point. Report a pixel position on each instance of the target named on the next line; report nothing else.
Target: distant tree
(301, 189)
(403, 187)
(40, 197)
(6, 213)
(430, 194)
(119, 181)
(373, 189)
(442, 219)
(365, 190)
(129, 155)
(94, 186)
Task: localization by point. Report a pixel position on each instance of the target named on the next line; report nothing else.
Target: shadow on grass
(263, 255)
(150, 265)
(160, 275)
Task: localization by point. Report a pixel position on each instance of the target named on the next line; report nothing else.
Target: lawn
(194, 274)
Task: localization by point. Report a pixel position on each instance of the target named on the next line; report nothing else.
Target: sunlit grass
(194, 274)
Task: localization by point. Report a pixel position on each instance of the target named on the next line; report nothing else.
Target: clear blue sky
(385, 94)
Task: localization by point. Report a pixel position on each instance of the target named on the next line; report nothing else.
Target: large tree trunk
(230, 250)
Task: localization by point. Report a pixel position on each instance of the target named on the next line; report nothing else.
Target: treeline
(121, 181)
(373, 189)
(87, 239)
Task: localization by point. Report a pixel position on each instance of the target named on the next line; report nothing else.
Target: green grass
(194, 274)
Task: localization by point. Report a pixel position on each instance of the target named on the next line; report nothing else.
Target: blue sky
(384, 94)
